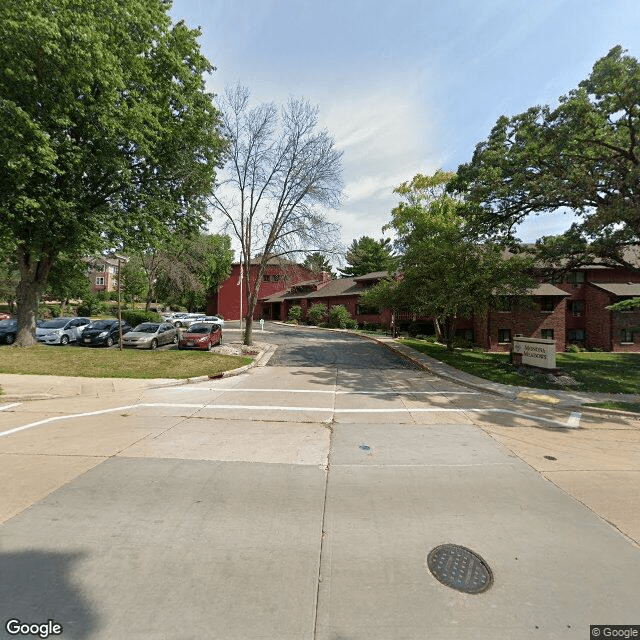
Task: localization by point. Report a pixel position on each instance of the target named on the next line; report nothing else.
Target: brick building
(570, 311)
(102, 273)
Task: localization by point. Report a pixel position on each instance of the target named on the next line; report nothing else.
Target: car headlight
(103, 334)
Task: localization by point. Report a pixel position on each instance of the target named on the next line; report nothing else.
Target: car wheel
(175, 339)
(10, 339)
(209, 346)
(64, 340)
(178, 325)
(109, 341)
(154, 344)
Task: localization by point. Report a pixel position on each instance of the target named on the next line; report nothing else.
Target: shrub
(295, 314)
(351, 324)
(90, 306)
(104, 295)
(574, 348)
(137, 316)
(339, 317)
(318, 314)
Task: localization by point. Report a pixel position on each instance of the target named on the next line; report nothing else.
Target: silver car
(150, 335)
(61, 330)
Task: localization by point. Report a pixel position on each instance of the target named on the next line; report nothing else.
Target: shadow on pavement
(37, 586)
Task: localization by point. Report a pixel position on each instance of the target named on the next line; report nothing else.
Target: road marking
(371, 393)
(574, 419)
(240, 407)
(3, 407)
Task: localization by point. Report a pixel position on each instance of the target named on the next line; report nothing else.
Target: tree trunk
(33, 279)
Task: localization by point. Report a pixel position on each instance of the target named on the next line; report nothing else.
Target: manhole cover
(459, 568)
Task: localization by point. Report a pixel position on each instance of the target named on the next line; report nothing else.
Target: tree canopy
(108, 134)
(445, 272)
(283, 172)
(367, 255)
(318, 263)
(582, 156)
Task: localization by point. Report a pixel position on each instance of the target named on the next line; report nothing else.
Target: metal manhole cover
(459, 568)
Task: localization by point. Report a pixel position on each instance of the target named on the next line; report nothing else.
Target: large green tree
(445, 272)
(367, 255)
(108, 136)
(318, 263)
(583, 157)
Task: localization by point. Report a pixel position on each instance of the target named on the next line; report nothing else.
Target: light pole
(121, 259)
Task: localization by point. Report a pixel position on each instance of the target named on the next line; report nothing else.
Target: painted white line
(4, 407)
(235, 407)
(574, 419)
(368, 393)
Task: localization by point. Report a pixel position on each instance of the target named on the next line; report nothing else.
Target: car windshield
(101, 324)
(199, 328)
(8, 323)
(147, 327)
(56, 323)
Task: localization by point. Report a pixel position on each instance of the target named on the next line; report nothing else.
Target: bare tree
(282, 175)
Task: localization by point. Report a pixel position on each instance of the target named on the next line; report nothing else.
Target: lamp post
(121, 259)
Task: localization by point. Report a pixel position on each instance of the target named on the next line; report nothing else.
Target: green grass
(113, 363)
(619, 406)
(594, 372)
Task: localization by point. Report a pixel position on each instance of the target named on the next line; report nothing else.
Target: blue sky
(411, 85)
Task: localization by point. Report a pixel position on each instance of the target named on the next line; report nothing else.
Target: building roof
(375, 275)
(547, 289)
(619, 288)
(339, 287)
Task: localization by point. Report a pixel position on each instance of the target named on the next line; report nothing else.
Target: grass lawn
(113, 363)
(594, 372)
(620, 406)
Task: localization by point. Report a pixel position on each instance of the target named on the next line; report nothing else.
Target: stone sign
(536, 352)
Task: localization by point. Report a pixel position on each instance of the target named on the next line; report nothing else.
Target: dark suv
(102, 333)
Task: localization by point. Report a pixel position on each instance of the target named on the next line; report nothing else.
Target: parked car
(186, 319)
(103, 333)
(150, 335)
(5, 316)
(8, 330)
(61, 330)
(216, 319)
(201, 335)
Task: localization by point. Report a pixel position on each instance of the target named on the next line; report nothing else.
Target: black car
(8, 330)
(102, 333)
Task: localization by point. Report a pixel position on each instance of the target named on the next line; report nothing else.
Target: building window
(576, 278)
(504, 336)
(576, 335)
(364, 310)
(546, 334)
(100, 281)
(577, 308)
(547, 304)
(278, 277)
(626, 335)
(504, 304)
(266, 278)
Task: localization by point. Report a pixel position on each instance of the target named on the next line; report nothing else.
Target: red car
(201, 335)
(5, 316)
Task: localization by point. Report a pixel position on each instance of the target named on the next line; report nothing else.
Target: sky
(409, 86)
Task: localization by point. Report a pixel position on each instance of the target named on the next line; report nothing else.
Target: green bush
(339, 317)
(295, 314)
(318, 314)
(351, 324)
(103, 295)
(138, 316)
(574, 348)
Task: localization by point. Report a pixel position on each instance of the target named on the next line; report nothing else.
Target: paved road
(300, 502)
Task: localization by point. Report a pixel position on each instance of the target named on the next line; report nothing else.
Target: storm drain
(459, 568)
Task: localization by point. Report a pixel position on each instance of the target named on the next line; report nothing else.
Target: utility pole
(241, 295)
(120, 260)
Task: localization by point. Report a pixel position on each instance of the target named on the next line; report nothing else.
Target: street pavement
(300, 501)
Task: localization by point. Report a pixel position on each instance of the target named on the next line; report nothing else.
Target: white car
(215, 319)
(61, 330)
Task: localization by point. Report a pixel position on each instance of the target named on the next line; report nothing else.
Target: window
(504, 336)
(576, 335)
(362, 309)
(504, 304)
(577, 308)
(100, 280)
(547, 304)
(266, 278)
(576, 278)
(546, 334)
(278, 277)
(626, 335)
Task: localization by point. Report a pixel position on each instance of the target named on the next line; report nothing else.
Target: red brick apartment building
(102, 273)
(571, 311)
